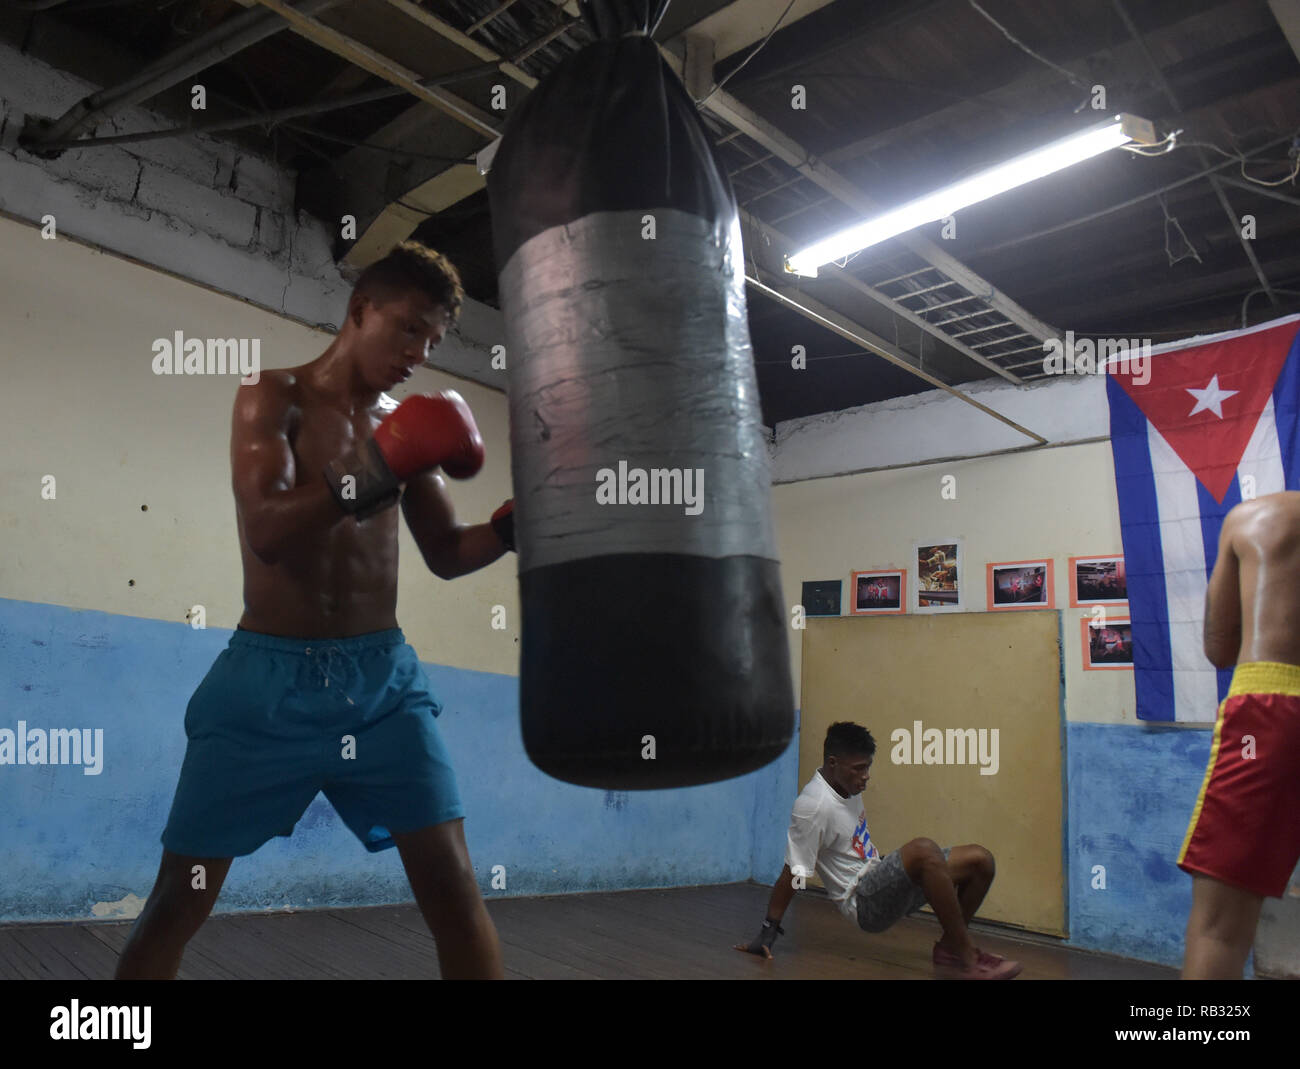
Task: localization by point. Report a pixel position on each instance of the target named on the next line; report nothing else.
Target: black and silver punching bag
(653, 639)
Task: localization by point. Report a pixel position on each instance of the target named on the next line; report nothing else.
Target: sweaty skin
(1252, 612)
(310, 570)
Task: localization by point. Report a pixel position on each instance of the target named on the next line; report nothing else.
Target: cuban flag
(1215, 422)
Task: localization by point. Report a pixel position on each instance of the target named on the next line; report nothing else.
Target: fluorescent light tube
(945, 202)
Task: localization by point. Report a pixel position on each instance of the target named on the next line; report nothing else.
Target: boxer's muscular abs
(1259, 555)
(335, 577)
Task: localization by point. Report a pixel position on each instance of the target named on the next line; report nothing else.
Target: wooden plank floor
(684, 933)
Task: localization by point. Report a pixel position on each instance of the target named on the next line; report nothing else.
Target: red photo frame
(1121, 645)
(1098, 559)
(1043, 584)
(892, 600)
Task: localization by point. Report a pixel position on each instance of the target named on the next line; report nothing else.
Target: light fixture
(1121, 130)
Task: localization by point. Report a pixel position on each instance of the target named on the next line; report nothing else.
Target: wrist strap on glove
(362, 481)
(503, 524)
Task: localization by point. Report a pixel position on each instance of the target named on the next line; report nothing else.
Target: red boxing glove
(503, 523)
(421, 433)
(425, 432)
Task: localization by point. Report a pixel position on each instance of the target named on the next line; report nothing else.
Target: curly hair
(413, 266)
(846, 739)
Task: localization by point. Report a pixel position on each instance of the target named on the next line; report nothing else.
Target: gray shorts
(886, 893)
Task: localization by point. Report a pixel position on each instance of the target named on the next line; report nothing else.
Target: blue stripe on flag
(1286, 411)
(1143, 556)
(1212, 516)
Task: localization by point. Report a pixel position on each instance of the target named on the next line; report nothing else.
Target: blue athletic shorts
(278, 719)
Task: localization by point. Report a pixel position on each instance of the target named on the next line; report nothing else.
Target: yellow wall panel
(984, 671)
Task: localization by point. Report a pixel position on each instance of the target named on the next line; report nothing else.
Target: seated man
(828, 832)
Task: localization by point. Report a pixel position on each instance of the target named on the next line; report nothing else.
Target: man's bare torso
(1264, 536)
(341, 581)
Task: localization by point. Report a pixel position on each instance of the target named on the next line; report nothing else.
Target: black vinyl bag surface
(653, 641)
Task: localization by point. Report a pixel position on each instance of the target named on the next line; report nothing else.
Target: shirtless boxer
(318, 690)
(1244, 836)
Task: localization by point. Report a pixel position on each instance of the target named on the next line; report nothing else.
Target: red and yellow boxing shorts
(1245, 829)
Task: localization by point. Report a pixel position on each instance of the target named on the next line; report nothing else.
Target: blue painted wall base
(74, 847)
(1131, 792)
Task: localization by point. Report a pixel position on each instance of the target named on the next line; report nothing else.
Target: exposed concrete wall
(204, 209)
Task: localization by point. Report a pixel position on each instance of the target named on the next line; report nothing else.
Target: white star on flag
(1211, 398)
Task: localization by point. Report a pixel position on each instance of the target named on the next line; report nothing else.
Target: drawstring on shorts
(324, 661)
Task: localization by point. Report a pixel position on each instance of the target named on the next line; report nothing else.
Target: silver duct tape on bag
(627, 353)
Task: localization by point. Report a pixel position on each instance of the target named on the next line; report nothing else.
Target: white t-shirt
(828, 833)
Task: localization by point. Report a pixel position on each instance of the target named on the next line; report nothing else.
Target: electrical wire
(763, 44)
(1295, 168)
(1075, 81)
(1171, 220)
(1171, 140)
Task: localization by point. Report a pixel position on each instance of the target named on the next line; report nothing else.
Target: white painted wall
(936, 426)
(80, 401)
(1052, 503)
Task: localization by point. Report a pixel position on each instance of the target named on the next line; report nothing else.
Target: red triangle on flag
(1229, 381)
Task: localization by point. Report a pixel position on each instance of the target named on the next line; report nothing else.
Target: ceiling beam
(734, 113)
(730, 110)
(1257, 189)
(400, 218)
(832, 320)
(847, 25)
(784, 245)
(740, 24)
(368, 59)
(447, 30)
(208, 49)
(1287, 13)
(1170, 296)
(1163, 82)
(977, 97)
(1068, 224)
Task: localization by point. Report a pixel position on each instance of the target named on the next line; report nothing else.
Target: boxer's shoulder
(277, 388)
(1275, 514)
(267, 406)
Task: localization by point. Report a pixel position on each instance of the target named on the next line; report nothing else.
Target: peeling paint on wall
(125, 908)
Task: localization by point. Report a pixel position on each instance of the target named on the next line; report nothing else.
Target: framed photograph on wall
(938, 576)
(821, 597)
(1021, 584)
(878, 592)
(1107, 643)
(1098, 581)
